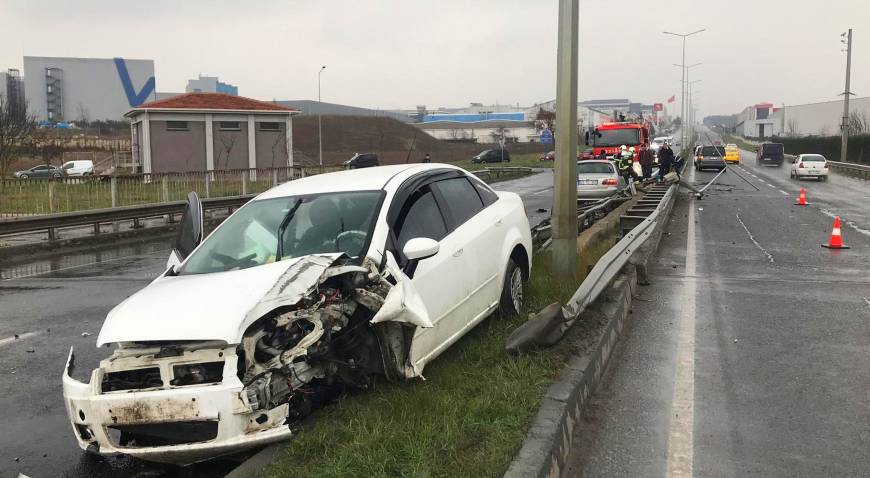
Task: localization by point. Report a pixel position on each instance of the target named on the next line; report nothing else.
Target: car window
(419, 217)
(463, 202)
(68, 165)
(486, 195)
(322, 223)
(813, 158)
(594, 168)
(41, 168)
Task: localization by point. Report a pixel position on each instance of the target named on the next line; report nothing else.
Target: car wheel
(823, 178)
(55, 175)
(511, 303)
(24, 176)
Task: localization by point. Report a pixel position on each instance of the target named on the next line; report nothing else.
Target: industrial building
(210, 84)
(758, 121)
(12, 89)
(824, 118)
(75, 89)
(210, 131)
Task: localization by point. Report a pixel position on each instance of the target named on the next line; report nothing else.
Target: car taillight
(801, 165)
(826, 165)
(608, 182)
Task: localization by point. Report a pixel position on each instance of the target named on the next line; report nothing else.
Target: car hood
(216, 306)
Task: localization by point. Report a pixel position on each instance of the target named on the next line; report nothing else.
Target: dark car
(491, 156)
(710, 157)
(43, 171)
(366, 160)
(770, 153)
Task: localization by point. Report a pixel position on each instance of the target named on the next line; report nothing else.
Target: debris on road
(86, 334)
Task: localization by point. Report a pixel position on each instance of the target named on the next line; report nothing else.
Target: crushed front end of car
(325, 326)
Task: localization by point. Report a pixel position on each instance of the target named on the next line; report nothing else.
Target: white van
(78, 168)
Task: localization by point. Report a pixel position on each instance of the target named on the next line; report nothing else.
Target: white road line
(848, 223)
(681, 436)
(783, 192)
(752, 238)
(771, 185)
(9, 340)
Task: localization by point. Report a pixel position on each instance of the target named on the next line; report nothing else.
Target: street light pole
(683, 84)
(564, 216)
(686, 69)
(845, 127)
(319, 120)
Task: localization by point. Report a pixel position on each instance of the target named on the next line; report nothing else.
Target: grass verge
(468, 418)
(529, 160)
(741, 143)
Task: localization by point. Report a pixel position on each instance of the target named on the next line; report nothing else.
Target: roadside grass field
(527, 160)
(467, 418)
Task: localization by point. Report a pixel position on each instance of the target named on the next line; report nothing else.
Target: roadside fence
(28, 197)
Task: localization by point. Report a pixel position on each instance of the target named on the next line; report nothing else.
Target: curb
(545, 450)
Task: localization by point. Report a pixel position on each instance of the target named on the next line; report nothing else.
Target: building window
(270, 126)
(230, 126)
(176, 126)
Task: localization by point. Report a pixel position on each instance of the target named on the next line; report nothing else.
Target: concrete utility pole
(319, 120)
(845, 127)
(565, 174)
(683, 109)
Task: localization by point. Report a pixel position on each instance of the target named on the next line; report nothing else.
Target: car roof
(363, 179)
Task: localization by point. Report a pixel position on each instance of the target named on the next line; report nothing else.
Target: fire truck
(606, 138)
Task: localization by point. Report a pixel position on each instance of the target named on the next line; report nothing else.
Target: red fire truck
(606, 138)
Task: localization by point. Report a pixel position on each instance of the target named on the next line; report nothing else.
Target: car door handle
(457, 252)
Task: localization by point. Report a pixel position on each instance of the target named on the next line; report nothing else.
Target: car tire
(511, 302)
(24, 176)
(823, 178)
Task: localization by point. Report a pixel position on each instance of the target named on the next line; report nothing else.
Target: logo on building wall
(134, 98)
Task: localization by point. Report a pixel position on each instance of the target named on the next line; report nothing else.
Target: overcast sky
(401, 53)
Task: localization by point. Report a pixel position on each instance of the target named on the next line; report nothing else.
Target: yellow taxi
(732, 153)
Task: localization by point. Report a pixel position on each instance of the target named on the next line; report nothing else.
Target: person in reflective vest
(624, 162)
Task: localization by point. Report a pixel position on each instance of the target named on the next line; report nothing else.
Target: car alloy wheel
(517, 289)
(511, 302)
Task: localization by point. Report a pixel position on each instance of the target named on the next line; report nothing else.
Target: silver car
(598, 178)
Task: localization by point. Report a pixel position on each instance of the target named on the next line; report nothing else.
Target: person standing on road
(624, 163)
(666, 159)
(646, 161)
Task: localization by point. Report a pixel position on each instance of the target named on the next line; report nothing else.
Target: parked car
(810, 166)
(366, 160)
(313, 287)
(770, 153)
(43, 171)
(78, 168)
(732, 153)
(598, 178)
(586, 154)
(709, 157)
(492, 156)
(549, 156)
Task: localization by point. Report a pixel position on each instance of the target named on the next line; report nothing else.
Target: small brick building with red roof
(211, 131)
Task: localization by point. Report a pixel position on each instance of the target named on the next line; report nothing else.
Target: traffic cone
(802, 199)
(836, 240)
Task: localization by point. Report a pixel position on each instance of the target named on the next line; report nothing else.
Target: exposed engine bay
(186, 401)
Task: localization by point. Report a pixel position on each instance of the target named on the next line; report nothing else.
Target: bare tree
(858, 122)
(546, 118)
(279, 147)
(228, 142)
(16, 126)
(792, 127)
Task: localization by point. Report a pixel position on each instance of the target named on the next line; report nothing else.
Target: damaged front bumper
(169, 424)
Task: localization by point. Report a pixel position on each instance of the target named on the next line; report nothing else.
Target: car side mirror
(420, 248)
(189, 231)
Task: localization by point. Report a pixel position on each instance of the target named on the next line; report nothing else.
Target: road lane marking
(772, 186)
(16, 338)
(783, 192)
(752, 238)
(681, 436)
(851, 224)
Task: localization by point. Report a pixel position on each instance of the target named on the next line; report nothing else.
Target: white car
(598, 178)
(810, 166)
(78, 168)
(315, 286)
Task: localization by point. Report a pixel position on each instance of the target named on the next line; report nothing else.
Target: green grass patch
(740, 142)
(468, 418)
(527, 160)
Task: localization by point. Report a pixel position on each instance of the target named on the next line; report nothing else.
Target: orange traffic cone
(836, 240)
(802, 199)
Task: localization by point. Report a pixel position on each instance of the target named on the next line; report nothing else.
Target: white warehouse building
(74, 89)
(822, 118)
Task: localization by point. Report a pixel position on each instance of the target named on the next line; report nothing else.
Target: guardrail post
(114, 188)
(207, 184)
(244, 183)
(50, 196)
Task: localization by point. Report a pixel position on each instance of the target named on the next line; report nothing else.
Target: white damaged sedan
(316, 286)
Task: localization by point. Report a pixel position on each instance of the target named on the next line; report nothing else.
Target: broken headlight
(197, 373)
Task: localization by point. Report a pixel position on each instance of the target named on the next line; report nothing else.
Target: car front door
(40, 171)
(435, 278)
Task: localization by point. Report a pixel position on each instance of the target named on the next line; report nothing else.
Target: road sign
(546, 137)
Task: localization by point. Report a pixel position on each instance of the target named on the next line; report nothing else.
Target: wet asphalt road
(61, 301)
(755, 363)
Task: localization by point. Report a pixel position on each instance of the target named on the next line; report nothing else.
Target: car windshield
(616, 137)
(321, 223)
(812, 157)
(594, 168)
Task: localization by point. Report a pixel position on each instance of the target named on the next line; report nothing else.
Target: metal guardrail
(95, 217)
(609, 265)
(586, 216)
(489, 172)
